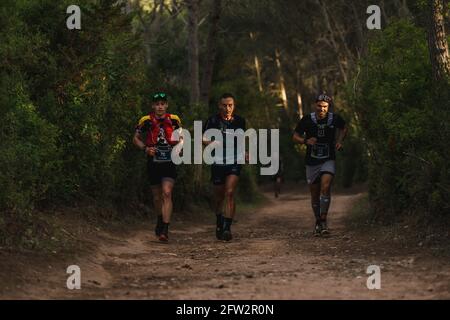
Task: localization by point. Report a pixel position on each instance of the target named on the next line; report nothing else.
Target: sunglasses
(324, 98)
(160, 95)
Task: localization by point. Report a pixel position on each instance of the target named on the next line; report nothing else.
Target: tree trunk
(283, 94)
(300, 105)
(211, 51)
(299, 88)
(383, 11)
(194, 72)
(403, 9)
(156, 25)
(128, 6)
(193, 51)
(333, 40)
(257, 67)
(258, 73)
(359, 28)
(335, 26)
(437, 41)
(150, 26)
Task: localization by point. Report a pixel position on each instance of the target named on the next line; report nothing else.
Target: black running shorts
(159, 171)
(219, 173)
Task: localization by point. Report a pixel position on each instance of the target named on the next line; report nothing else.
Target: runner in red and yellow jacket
(154, 137)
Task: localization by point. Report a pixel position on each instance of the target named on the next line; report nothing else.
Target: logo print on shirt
(161, 137)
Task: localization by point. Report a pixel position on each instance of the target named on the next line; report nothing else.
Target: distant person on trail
(225, 177)
(154, 137)
(278, 178)
(323, 133)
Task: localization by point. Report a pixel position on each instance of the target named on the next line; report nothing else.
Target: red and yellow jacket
(158, 130)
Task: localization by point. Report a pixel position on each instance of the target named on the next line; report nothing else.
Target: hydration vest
(157, 124)
(321, 150)
(329, 120)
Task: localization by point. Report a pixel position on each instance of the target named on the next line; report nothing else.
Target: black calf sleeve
(316, 210)
(227, 223)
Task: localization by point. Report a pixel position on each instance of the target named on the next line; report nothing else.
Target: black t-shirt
(325, 132)
(217, 122)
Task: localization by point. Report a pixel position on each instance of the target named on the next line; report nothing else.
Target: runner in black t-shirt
(318, 132)
(225, 176)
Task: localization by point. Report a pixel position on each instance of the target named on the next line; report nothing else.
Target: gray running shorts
(314, 172)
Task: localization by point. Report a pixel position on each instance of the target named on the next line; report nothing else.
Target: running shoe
(219, 226)
(164, 234)
(324, 227)
(317, 229)
(226, 235)
(158, 228)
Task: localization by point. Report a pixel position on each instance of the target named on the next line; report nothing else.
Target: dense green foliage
(70, 99)
(404, 120)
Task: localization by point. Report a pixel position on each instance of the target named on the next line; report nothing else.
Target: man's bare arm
(342, 133)
(137, 141)
(298, 138)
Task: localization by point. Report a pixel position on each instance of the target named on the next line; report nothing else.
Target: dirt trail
(273, 256)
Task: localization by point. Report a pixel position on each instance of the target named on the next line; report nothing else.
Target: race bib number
(320, 151)
(321, 130)
(163, 154)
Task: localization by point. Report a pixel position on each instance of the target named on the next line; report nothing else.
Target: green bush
(28, 152)
(404, 121)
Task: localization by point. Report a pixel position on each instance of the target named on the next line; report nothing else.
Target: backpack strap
(314, 118)
(151, 117)
(329, 120)
(176, 118)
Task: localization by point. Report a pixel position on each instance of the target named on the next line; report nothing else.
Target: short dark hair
(226, 96)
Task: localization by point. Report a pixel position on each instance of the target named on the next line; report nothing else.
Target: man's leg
(230, 205)
(167, 207)
(218, 180)
(325, 199)
(219, 197)
(157, 204)
(277, 186)
(315, 204)
(230, 190)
